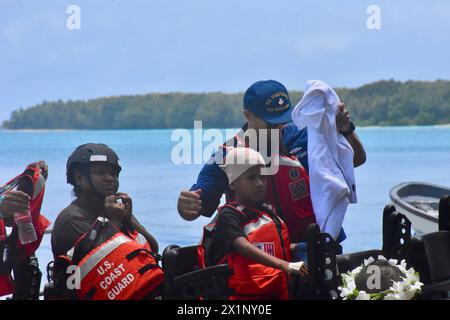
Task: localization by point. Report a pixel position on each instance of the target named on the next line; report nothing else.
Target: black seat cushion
(437, 249)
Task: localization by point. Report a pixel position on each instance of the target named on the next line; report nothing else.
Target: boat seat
(55, 288)
(444, 214)
(177, 261)
(184, 280)
(322, 270)
(437, 251)
(396, 239)
(418, 260)
(396, 233)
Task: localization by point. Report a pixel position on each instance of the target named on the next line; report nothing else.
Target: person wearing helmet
(116, 257)
(93, 171)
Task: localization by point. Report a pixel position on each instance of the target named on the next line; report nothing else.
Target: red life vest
(288, 191)
(33, 183)
(251, 280)
(115, 266)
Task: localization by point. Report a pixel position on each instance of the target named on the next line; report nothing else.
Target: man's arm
(204, 196)
(359, 157)
(343, 124)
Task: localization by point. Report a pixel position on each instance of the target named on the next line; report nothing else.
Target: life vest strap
(136, 252)
(147, 267)
(90, 293)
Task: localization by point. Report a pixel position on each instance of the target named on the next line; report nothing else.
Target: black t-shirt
(227, 229)
(74, 221)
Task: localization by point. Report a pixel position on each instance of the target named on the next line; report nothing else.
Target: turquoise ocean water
(394, 155)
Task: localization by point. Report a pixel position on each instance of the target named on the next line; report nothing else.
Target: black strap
(98, 234)
(147, 267)
(90, 293)
(277, 199)
(136, 252)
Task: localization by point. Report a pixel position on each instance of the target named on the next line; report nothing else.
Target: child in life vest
(248, 235)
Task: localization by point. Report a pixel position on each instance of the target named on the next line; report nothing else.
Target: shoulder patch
(298, 189)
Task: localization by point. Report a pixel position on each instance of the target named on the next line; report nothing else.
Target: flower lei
(406, 289)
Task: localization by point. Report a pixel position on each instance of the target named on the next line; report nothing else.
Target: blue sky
(134, 47)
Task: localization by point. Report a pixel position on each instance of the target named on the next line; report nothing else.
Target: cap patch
(101, 158)
(281, 100)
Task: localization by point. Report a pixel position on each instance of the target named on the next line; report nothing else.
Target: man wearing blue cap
(267, 106)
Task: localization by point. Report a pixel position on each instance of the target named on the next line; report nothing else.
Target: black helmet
(89, 153)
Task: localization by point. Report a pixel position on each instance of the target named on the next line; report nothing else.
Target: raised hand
(190, 204)
(14, 201)
(342, 118)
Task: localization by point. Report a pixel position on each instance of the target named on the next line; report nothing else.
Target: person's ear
(248, 115)
(78, 176)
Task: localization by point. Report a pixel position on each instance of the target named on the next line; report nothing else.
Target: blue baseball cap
(268, 100)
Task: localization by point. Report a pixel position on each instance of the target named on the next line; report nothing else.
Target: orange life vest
(251, 280)
(115, 266)
(33, 183)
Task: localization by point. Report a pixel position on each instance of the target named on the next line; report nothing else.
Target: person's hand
(128, 203)
(297, 268)
(342, 118)
(14, 201)
(41, 165)
(118, 208)
(190, 204)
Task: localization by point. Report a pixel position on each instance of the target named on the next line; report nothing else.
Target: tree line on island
(382, 103)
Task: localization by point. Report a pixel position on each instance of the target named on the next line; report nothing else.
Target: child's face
(251, 186)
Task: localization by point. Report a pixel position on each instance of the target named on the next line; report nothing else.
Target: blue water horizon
(394, 155)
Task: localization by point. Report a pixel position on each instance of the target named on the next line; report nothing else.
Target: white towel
(330, 156)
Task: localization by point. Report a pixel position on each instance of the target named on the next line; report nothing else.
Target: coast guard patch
(298, 189)
(267, 247)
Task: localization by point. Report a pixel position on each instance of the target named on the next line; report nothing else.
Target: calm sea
(394, 155)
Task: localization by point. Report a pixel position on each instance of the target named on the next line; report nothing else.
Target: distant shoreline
(168, 129)
(382, 103)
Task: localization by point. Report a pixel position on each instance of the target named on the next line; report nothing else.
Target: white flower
(345, 292)
(351, 285)
(405, 289)
(392, 296)
(393, 262)
(355, 271)
(403, 296)
(362, 295)
(409, 294)
(403, 264)
(398, 286)
(417, 285)
(368, 261)
(411, 275)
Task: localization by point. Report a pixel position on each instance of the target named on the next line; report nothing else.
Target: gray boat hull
(419, 202)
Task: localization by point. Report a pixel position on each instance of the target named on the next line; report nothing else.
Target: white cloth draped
(330, 156)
